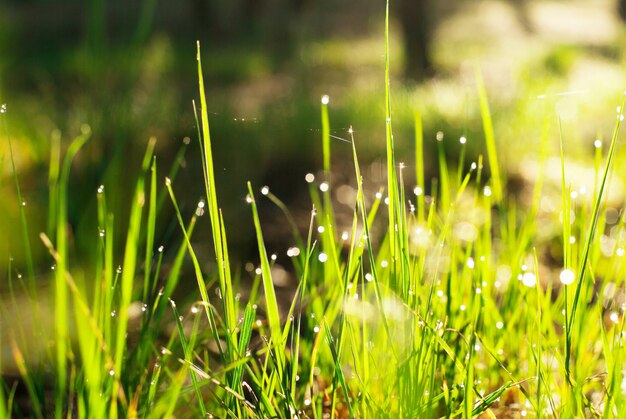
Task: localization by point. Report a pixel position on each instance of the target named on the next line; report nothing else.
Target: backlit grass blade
(130, 259)
(150, 230)
(583, 266)
(273, 314)
(392, 185)
(61, 295)
(198, 271)
(188, 351)
(419, 165)
(218, 230)
(26, 376)
(490, 140)
(21, 203)
(338, 371)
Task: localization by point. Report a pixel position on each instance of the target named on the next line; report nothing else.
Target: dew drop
(248, 199)
(161, 249)
(597, 143)
(111, 373)
(325, 100)
(101, 189)
(293, 251)
(418, 191)
(265, 190)
(567, 276)
(463, 140)
(529, 279)
(309, 177)
(322, 257)
(324, 187)
(168, 181)
(3, 108)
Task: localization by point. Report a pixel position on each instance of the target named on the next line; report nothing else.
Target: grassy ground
(494, 288)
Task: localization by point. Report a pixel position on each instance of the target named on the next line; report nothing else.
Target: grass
(451, 304)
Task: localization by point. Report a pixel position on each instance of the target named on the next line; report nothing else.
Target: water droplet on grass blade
(323, 257)
(597, 143)
(567, 276)
(463, 140)
(324, 187)
(3, 108)
(309, 177)
(529, 279)
(325, 100)
(265, 190)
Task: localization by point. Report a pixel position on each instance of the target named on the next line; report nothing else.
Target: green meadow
(451, 248)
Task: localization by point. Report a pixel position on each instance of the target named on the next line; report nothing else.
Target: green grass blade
(490, 140)
(61, 295)
(150, 230)
(271, 303)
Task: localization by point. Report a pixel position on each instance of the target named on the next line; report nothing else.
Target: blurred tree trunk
(417, 24)
(621, 8)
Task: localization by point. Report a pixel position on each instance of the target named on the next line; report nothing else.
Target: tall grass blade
(490, 141)
(61, 295)
(271, 303)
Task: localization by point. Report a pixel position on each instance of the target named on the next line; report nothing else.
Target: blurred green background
(127, 69)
